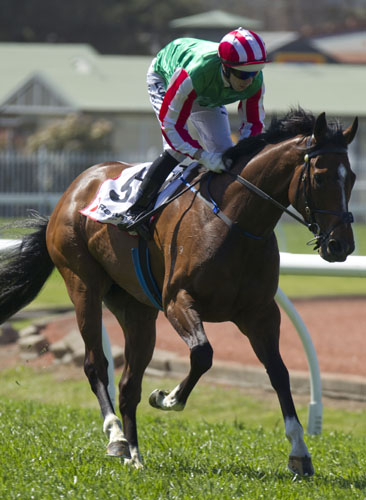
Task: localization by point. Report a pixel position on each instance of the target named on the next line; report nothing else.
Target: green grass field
(225, 445)
(293, 238)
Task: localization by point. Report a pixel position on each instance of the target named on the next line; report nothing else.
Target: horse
(211, 264)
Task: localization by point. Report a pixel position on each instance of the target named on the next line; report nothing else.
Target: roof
(87, 81)
(347, 47)
(334, 88)
(215, 19)
(276, 39)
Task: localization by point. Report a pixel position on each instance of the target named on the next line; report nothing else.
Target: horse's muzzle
(335, 249)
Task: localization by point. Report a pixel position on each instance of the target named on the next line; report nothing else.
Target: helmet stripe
(261, 45)
(246, 45)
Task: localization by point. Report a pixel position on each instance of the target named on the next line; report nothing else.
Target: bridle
(310, 210)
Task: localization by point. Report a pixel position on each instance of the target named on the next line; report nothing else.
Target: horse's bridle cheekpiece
(310, 209)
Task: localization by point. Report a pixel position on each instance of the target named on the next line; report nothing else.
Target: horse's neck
(272, 170)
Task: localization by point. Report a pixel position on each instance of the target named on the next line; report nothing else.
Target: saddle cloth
(115, 196)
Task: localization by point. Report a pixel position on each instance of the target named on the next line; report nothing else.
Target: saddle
(116, 196)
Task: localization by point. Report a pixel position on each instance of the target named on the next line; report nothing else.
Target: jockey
(194, 79)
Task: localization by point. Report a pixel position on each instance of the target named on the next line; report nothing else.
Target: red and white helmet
(243, 50)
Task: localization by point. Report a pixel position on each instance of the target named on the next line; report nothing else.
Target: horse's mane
(295, 122)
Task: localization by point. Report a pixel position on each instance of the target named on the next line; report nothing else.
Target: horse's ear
(320, 128)
(350, 132)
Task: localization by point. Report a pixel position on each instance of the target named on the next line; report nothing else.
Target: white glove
(212, 161)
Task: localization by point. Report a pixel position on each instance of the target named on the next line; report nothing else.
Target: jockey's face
(238, 84)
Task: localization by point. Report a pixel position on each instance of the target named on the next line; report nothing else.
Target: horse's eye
(318, 179)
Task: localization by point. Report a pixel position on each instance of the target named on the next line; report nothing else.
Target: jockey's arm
(174, 113)
(251, 114)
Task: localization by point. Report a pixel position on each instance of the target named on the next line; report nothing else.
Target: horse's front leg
(187, 322)
(263, 331)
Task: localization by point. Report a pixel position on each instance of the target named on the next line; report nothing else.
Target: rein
(304, 180)
(265, 196)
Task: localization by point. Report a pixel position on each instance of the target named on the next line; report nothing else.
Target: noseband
(310, 209)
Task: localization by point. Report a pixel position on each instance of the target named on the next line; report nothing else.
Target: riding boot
(149, 188)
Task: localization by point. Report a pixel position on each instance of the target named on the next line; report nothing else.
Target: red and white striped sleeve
(251, 113)
(175, 111)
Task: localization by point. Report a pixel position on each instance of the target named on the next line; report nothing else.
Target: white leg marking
(170, 401)
(164, 401)
(112, 427)
(294, 433)
(135, 459)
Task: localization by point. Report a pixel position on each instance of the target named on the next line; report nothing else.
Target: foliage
(112, 26)
(73, 133)
(142, 26)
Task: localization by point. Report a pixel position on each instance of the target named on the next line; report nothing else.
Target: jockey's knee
(201, 357)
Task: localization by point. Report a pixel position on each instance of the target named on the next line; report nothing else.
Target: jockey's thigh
(213, 127)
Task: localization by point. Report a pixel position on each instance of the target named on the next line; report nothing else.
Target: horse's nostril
(334, 247)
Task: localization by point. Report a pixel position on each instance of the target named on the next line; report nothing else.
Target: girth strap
(141, 262)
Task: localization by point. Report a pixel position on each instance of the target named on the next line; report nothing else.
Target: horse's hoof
(156, 398)
(118, 449)
(301, 466)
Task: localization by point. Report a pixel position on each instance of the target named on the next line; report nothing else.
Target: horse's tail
(25, 268)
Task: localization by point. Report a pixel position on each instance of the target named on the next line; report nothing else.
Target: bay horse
(208, 268)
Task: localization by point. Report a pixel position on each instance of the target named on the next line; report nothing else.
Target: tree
(74, 133)
(111, 26)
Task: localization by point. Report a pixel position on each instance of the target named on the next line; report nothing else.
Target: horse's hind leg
(263, 330)
(87, 299)
(187, 322)
(138, 324)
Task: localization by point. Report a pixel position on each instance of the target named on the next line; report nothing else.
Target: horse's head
(322, 189)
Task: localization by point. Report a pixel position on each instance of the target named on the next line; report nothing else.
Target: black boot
(153, 180)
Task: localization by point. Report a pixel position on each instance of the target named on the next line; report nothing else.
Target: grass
(208, 402)
(292, 238)
(225, 445)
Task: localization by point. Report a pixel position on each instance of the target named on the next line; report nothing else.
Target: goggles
(243, 75)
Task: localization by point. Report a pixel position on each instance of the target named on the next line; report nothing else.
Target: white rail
(303, 264)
